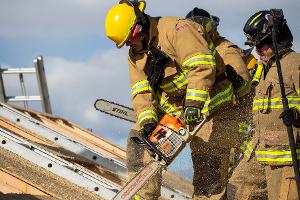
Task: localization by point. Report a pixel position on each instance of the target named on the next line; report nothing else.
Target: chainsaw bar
(116, 110)
(139, 180)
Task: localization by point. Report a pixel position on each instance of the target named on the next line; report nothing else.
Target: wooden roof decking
(19, 176)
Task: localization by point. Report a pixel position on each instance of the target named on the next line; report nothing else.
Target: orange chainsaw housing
(165, 136)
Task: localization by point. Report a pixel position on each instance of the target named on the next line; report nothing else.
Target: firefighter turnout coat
(193, 75)
(267, 106)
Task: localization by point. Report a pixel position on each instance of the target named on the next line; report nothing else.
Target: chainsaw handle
(198, 126)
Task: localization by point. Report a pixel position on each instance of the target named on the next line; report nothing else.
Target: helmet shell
(256, 28)
(120, 21)
(201, 16)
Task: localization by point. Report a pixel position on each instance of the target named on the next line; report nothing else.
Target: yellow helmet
(120, 21)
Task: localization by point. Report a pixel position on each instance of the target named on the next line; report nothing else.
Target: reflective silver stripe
(244, 128)
(274, 103)
(196, 95)
(176, 83)
(275, 156)
(247, 149)
(147, 114)
(212, 48)
(140, 86)
(167, 107)
(200, 59)
(220, 98)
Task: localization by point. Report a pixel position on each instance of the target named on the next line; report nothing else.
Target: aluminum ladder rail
(39, 71)
(104, 188)
(60, 139)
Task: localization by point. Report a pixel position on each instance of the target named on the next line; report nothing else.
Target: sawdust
(50, 183)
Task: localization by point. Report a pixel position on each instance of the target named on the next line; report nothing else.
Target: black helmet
(203, 17)
(258, 31)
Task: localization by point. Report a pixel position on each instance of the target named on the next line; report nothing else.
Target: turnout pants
(137, 158)
(252, 180)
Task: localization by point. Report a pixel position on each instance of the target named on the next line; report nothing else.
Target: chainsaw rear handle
(197, 127)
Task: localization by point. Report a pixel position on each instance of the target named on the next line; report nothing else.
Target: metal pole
(42, 82)
(275, 23)
(2, 89)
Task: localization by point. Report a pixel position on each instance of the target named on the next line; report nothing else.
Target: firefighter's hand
(290, 117)
(148, 128)
(192, 115)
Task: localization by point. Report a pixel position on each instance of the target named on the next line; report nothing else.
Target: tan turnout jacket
(267, 106)
(190, 74)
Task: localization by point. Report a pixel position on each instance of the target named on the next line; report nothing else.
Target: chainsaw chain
(113, 104)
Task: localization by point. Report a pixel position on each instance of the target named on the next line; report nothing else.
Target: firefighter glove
(192, 115)
(148, 128)
(290, 117)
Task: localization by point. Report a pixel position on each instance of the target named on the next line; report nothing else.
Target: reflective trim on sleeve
(275, 156)
(212, 48)
(166, 107)
(220, 98)
(247, 149)
(200, 59)
(141, 86)
(147, 114)
(244, 128)
(196, 95)
(176, 83)
(274, 103)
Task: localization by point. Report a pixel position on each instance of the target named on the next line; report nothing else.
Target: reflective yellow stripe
(257, 16)
(274, 103)
(275, 156)
(298, 91)
(246, 149)
(136, 197)
(176, 83)
(244, 128)
(200, 59)
(220, 98)
(147, 114)
(141, 86)
(166, 107)
(196, 95)
(244, 89)
(257, 75)
(212, 48)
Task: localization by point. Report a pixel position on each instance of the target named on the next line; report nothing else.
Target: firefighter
(270, 158)
(175, 69)
(238, 74)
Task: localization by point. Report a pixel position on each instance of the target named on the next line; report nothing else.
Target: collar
(283, 53)
(153, 35)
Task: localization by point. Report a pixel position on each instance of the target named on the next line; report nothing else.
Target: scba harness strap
(155, 72)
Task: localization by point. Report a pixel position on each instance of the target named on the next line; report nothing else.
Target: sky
(82, 65)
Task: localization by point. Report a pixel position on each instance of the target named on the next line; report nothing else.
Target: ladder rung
(23, 98)
(17, 70)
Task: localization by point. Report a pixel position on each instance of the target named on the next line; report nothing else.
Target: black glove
(290, 117)
(236, 80)
(148, 128)
(192, 115)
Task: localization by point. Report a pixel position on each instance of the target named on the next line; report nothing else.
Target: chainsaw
(164, 144)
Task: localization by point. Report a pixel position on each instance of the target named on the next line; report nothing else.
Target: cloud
(75, 85)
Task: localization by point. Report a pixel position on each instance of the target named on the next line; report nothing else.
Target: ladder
(77, 175)
(39, 71)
